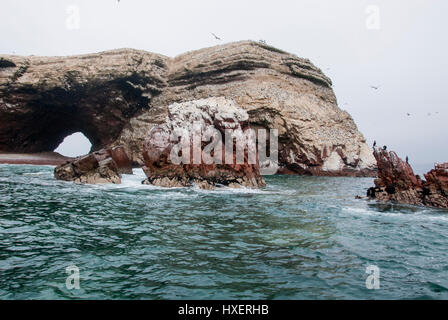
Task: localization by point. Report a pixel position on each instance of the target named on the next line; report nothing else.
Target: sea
(299, 238)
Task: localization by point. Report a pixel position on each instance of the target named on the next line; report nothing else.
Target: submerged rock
(397, 182)
(116, 97)
(185, 122)
(104, 166)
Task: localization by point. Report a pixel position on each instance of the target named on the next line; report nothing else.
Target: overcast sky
(399, 45)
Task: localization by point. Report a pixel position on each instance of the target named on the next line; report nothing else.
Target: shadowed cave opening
(74, 145)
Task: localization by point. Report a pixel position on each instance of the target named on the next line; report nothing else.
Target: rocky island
(397, 182)
(195, 118)
(117, 97)
(103, 166)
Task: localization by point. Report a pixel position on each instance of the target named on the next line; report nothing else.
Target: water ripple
(299, 238)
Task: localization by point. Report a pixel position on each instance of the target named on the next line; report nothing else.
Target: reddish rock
(436, 186)
(218, 113)
(104, 166)
(397, 182)
(121, 159)
(394, 172)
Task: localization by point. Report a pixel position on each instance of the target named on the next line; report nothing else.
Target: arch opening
(74, 145)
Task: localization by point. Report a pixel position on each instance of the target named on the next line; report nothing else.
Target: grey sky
(406, 56)
(74, 145)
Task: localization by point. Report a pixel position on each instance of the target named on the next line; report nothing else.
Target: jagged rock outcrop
(104, 166)
(435, 190)
(206, 121)
(116, 97)
(397, 182)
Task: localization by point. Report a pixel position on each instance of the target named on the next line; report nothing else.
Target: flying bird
(216, 37)
(375, 87)
(408, 114)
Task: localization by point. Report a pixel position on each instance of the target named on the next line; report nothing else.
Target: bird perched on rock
(385, 148)
(407, 159)
(374, 143)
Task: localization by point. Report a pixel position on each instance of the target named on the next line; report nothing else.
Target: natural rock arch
(45, 99)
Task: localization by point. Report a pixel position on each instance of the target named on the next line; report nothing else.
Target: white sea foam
(134, 181)
(227, 190)
(422, 215)
(40, 173)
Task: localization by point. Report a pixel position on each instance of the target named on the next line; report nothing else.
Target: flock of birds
(429, 114)
(408, 114)
(376, 87)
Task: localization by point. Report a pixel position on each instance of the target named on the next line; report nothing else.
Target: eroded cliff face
(45, 99)
(116, 97)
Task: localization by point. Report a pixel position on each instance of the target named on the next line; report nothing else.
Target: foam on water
(413, 213)
(134, 181)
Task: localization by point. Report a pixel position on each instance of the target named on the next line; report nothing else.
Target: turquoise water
(300, 238)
